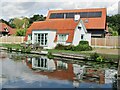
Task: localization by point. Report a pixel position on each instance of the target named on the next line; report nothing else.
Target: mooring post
(118, 76)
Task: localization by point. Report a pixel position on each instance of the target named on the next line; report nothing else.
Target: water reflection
(70, 71)
(39, 71)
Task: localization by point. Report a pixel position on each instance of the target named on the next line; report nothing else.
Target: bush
(21, 32)
(83, 46)
(60, 47)
(83, 42)
(9, 49)
(97, 57)
(27, 50)
(50, 56)
(69, 47)
(17, 49)
(94, 56)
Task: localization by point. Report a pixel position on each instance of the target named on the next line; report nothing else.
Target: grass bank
(14, 46)
(88, 53)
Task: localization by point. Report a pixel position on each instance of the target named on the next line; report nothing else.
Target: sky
(27, 8)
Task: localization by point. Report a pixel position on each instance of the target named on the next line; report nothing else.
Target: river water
(35, 71)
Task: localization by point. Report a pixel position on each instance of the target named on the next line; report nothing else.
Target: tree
(37, 18)
(3, 21)
(114, 23)
(21, 32)
(26, 22)
(18, 23)
(11, 23)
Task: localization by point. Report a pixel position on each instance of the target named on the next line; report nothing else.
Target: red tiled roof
(93, 23)
(10, 30)
(66, 26)
(3, 26)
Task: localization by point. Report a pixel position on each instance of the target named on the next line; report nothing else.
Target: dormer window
(86, 20)
(6, 29)
(79, 27)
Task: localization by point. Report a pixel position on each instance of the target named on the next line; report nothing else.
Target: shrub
(17, 49)
(69, 47)
(82, 46)
(83, 42)
(9, 49)
(22, 49)
(97, 57)
(94, 56)
(50, 56)
(28, 50)
(60, 47)
(21, 32)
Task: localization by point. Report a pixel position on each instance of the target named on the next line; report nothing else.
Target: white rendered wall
(79, 32)
(88, 38)
(29, 39)
(77, 35)
(51, 37)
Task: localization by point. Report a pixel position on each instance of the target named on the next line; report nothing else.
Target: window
(79, 27)
(82, 36)
(57, 15)
(41, 39)
(40, 62)
(62, 38)
(71, 15)
(29, 37)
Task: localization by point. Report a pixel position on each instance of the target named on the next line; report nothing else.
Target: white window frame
(62, 37)
(40, 39)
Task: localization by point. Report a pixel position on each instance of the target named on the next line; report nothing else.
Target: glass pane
(70, 15)
(56, 15)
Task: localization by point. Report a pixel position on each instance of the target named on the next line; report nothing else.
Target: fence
(107, 42)
(11, 39)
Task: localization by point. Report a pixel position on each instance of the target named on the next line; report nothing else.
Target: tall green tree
(18, 23)
(114, 23)
(37, 18)
(4, 21)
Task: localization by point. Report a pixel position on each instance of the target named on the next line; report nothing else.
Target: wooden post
(118, 77)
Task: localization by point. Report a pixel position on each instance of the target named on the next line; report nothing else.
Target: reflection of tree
(17, 57)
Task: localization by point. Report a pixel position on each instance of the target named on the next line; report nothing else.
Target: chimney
(76, 17)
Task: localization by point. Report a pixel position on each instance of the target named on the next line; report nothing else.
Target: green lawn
(14, 46)
(88, 53)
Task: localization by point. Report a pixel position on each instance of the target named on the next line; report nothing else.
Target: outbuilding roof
(5, 28)
(65, 26)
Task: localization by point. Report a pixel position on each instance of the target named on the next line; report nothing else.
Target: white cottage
(49, 33)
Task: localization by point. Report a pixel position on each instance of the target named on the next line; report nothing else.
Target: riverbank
(76, 55)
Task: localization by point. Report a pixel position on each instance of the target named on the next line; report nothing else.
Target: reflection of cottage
(78, 71)
(43, 63)
(62, 71)
(110, 75)
(49, 33)
(62, 65)
(6, 30)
